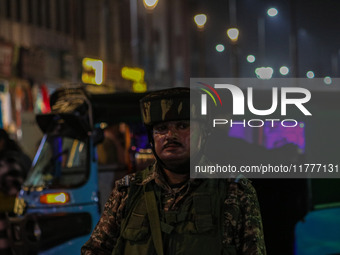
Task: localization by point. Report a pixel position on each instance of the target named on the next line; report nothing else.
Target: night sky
(318, 26)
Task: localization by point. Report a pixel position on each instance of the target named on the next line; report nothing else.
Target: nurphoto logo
(238, 103)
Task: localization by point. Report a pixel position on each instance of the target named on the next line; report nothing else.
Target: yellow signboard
(92, 71)
(139, 87)
(136, 75)
(133, 73)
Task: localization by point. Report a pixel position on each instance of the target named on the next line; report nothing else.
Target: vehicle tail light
(55, 198)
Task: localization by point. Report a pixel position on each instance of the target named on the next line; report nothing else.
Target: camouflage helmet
(166, 105)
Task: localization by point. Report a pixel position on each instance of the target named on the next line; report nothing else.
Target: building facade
(43, 44)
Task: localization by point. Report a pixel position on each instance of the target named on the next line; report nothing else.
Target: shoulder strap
(151, 206)
(228, 197)
(134, 193)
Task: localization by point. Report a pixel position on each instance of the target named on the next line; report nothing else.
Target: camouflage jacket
(242, 224)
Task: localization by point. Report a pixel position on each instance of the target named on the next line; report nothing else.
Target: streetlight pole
(335, 63)
(234, 41)
(150, 56)
(261, 26)
(200, 20)
(134, 32)
(261, 29)
(293, 39)
(233, 34)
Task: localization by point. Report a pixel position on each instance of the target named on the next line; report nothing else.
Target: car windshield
(59, 162)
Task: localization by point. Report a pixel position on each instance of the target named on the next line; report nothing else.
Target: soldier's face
(172, 141)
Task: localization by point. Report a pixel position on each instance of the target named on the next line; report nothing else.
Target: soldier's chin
(179, 167)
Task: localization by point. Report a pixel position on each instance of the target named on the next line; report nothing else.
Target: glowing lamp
(200, 20)
(264, 73)
(272, 12)
(150, 4)
(284, 70)
(219, 48)
(251, 58)
(233, 34)
(310, 74)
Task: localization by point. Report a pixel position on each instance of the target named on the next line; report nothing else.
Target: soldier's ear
(150, 136)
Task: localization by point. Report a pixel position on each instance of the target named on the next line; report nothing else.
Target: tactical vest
(196, 228)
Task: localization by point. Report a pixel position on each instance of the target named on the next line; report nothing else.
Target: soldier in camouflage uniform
(162, 211)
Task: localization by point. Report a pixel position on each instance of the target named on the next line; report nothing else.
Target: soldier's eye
(183, 125)
(160, 128)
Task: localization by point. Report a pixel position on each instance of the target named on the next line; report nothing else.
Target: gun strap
(153, 215)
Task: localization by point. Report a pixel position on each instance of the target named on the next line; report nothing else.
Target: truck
(63, 196)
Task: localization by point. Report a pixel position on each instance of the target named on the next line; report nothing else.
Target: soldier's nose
(172, 132)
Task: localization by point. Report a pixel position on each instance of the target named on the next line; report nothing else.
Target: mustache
(171, 143)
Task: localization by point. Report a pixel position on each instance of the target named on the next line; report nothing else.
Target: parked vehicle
(59, 203)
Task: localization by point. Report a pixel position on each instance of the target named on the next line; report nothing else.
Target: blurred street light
(200, 20)
(233, 34)
(150, 4)
(264, 73)
(272, 12)
(327, 80)
(284, 70)
(220, 47)
(251, 58)
(310, 74)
